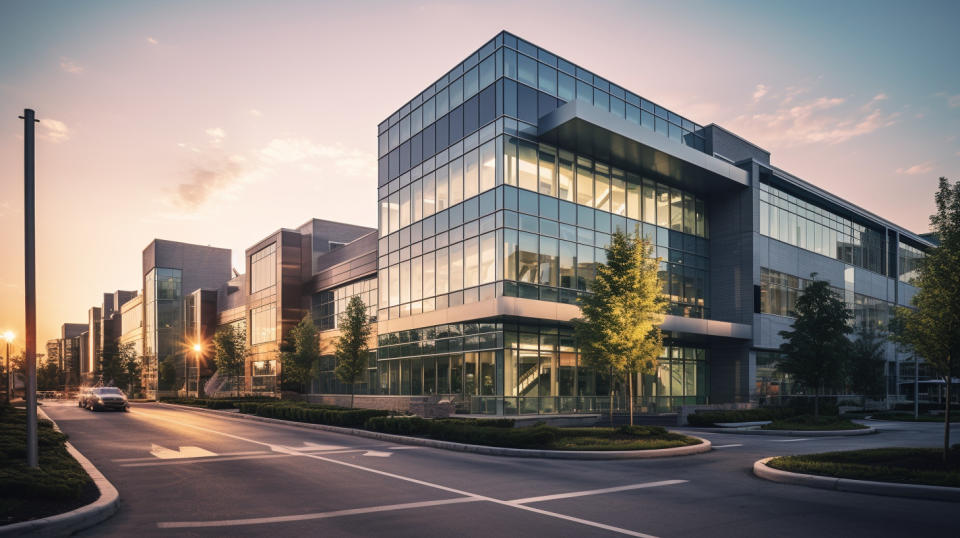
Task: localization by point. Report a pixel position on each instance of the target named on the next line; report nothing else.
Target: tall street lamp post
(9, 336)
(30, 284)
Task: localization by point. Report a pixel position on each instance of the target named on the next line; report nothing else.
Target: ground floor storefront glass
(495, 367)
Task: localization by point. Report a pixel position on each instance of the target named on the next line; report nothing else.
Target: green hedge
(59, 477)
(312, 413)
(466, 431)
(217, 403)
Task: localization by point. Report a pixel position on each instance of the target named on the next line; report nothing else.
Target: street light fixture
(9, 336)
(197, 349)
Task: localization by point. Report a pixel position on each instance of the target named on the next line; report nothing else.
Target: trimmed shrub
(399, 425)
(641, 431)
(314, 414)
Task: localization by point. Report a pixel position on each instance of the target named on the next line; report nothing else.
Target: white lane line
(728, 446)
(316, 515)
(788, 440)
(586, 522)
(596, 491)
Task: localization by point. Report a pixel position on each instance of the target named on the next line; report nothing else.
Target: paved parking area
(188, 473)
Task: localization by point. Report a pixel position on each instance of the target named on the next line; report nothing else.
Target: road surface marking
(565, 517)
(377, 454)
(184, 452)
(154, 458)
(263, 456)
(317, 515)
(596, 491)
(727, 446)
(314, 447)
(788, 440)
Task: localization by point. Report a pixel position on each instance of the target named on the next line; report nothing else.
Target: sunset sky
(218, 122)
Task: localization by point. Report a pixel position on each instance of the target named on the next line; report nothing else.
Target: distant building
(171, 270)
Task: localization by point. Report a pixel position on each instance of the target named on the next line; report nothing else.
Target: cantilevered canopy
(585, 129)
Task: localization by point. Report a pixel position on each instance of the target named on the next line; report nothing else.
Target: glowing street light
(197, 349)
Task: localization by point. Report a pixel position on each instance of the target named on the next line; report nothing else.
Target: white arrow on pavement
(377, 454)
(184, 452)
(307, 447)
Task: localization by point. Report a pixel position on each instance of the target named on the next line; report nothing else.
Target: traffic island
(899, 472)
(65, 495)
(498, 437)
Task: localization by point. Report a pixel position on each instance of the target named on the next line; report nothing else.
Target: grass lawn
(59, 485)
(903, 465)
(809, 423)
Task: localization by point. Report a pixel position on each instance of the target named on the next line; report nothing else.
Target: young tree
(352, 348)
(299, 361)
(932, 327)
(817, 347)
(131, 366)
(618, 331)
(865, 368)
(110, 364)
(230, 353)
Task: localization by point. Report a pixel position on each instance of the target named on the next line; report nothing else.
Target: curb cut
(704, 446)
(889, 489)
(81, 518)
(792, 433)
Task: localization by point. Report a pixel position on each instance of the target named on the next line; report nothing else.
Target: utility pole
(30, 284)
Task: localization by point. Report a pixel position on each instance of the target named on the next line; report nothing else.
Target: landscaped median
(485, 436)
(901, 472)
(64, 495)
(777, 421)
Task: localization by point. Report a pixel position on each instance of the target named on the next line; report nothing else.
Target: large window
(908, 262)
(786, 218)
(263, 268)
(263, 324)
(329, 305)
(779, 293)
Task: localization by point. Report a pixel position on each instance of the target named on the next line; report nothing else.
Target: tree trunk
(610, 391)
(352, 390)
(816, 403)
(630, 395)
(946, 421)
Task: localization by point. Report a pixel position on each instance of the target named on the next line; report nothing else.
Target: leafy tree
(932, 327)
(131, 367)
(230, 353)
(865, 368)
(110, 365)
(49, 376)
(299, 361)
(352, 347)
(618, 331)
(167, 374)
(816, 348)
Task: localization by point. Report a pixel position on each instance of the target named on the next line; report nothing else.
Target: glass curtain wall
(786, 218)
(504, 368)
(163, 306)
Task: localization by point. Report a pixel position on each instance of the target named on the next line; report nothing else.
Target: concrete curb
(791, 433)
(890, 489)
(81, 518)
(704, 446)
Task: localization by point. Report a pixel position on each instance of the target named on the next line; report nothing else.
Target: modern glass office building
(499, 187)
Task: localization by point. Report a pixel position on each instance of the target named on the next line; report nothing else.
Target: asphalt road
(189, 473)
